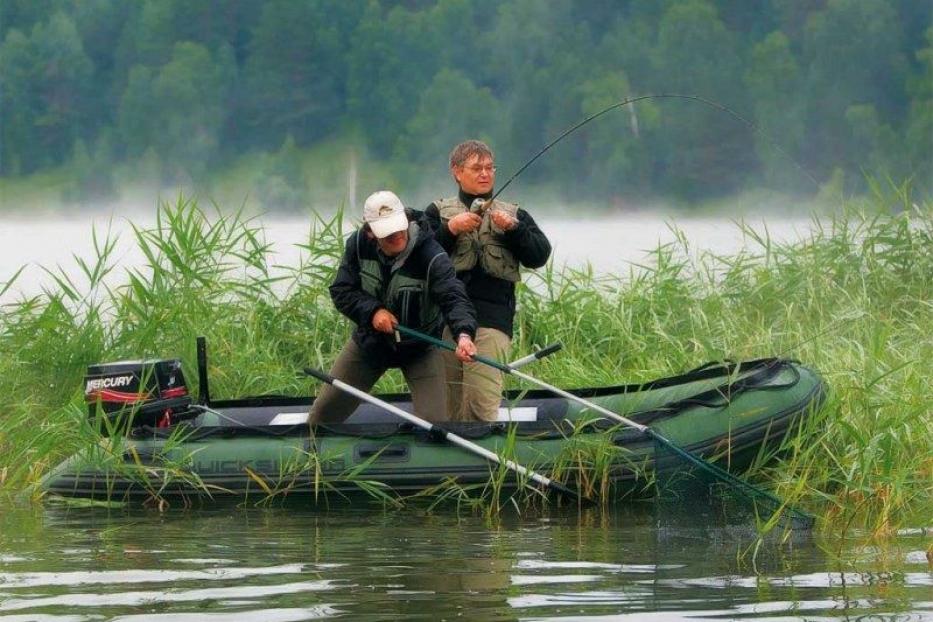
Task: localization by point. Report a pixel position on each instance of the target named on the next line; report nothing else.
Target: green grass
(854, 301)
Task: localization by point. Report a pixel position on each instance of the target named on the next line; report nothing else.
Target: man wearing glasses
(487, 242)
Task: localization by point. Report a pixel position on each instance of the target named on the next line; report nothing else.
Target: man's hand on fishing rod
(464, 223)
(384, 321)
(504, 221)
(466, 349)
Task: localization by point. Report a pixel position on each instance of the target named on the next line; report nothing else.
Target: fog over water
(611, 244)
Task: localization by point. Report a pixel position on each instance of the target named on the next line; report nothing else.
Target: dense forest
(181, 89)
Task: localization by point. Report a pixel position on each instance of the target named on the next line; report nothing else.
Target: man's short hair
(467, 149)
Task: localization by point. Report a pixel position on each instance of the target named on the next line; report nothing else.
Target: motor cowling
(131, 394)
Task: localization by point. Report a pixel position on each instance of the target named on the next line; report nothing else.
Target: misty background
(290, 105)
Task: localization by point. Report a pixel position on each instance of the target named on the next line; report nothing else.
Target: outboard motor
(131, 394)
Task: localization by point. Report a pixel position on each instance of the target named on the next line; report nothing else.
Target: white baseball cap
(384, 213)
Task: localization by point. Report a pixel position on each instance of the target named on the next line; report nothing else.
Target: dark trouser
(424, 375)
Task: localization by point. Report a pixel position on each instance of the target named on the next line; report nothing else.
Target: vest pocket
(465, 251)
(408, 305)
(499, 262)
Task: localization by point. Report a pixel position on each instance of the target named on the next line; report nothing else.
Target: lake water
(282, 565)
(611, 245)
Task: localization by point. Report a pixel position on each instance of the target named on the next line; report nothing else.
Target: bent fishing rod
(632, 100)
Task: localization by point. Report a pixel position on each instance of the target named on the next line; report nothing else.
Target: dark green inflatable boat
(262, 447)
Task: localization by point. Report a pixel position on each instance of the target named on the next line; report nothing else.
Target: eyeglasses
(477, 169)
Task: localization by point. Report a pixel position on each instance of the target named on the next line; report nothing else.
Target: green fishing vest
(484, 244)
(406, 297)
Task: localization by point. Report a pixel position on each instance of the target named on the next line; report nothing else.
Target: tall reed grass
(852, 300)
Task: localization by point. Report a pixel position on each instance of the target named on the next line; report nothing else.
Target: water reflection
(296, 564)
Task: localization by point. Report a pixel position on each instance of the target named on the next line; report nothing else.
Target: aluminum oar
(440, 432)
(798, 517)
(531, 358)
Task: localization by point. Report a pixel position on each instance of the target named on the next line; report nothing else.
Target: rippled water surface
(284, 564)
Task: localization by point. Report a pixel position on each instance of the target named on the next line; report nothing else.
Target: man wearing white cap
(394, 272)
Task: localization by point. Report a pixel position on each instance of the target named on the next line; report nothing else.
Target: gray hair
(467, 149)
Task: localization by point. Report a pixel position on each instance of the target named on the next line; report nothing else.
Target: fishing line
(632, 100)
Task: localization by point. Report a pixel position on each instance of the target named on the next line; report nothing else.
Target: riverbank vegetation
(852, 300)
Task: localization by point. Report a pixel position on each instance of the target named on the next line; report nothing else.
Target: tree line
(181, 88)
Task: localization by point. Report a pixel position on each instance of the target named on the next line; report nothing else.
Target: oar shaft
(426, 425)
(536, 356)
(509, 369)
(580, 400)
(440, 343)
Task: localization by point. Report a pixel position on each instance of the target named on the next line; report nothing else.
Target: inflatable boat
(175, 445)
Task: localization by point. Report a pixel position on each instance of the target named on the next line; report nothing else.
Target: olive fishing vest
(484, 245)
(407, 297)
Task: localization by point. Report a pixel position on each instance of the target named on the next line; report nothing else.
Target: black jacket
(494, 298)
(443, 287)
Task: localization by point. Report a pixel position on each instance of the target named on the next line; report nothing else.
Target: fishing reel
(479, 206)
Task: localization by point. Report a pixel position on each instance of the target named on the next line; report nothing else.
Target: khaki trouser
(424, 375)
(474, 390)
